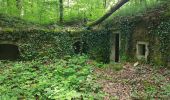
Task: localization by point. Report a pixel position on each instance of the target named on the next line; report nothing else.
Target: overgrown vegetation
(33, 43)
(143, 82)
(78, 78)
(56, 52)
(98, 44)
(48, 11)
(68, 78)
(155, 86)
(162, 31)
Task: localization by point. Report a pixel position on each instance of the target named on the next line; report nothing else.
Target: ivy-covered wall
(162, 32)
(155, 31)
(41, 43)
(98, 44)
(38, 43)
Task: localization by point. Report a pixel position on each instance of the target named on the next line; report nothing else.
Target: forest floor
(142, 82)
(78, 77)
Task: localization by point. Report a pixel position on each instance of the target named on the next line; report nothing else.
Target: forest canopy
(48, 11)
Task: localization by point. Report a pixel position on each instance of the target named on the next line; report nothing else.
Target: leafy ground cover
(142, 82)
(63, 79)
(78, 78)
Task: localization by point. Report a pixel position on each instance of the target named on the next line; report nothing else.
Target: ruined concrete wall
(155, 35)
(98, 44)
(38, 43)
(141, 34)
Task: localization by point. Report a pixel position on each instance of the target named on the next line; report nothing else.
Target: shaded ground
(141, 82)
(71, 77)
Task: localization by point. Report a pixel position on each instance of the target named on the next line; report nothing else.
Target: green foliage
(117, 66)
(53, 43)
(48, 79)
(126, 27)
(112, 66)
(47, 11)
(157, 34)
(163, 31)
(7, 21)
(156, 88)
(98, 43)
(135, 7)
(40, 43)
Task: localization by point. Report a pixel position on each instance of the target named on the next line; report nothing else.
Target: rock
(136, 64)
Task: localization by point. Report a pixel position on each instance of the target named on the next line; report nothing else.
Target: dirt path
(120, 84)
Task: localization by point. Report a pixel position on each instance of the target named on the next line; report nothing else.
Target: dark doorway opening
(142, 49)
(77, 47)
(117, 41)
(9, 52)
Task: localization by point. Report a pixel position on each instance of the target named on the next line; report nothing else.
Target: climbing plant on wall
(163, 32)
(98, 44)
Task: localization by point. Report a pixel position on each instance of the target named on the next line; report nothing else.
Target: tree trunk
(19, 6)
(104, 3)
(108, 13)
(61, 11)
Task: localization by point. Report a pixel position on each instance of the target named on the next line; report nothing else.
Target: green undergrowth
(15, 22)
(153, 83)
(113, 66)
(60, 79)
(155, 87)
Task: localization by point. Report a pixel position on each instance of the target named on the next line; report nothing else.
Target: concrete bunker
(115, 48)
(9, 52)
(142, 50)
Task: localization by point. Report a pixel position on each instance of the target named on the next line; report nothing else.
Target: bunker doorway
(9, 52)
(115, 51)
(77, 47)
(117, 41)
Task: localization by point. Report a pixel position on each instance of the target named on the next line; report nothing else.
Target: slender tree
(104, 3)
(19, 6)
(61, 9)
(8, 6)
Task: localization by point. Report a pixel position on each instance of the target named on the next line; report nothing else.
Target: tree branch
(108, 13)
